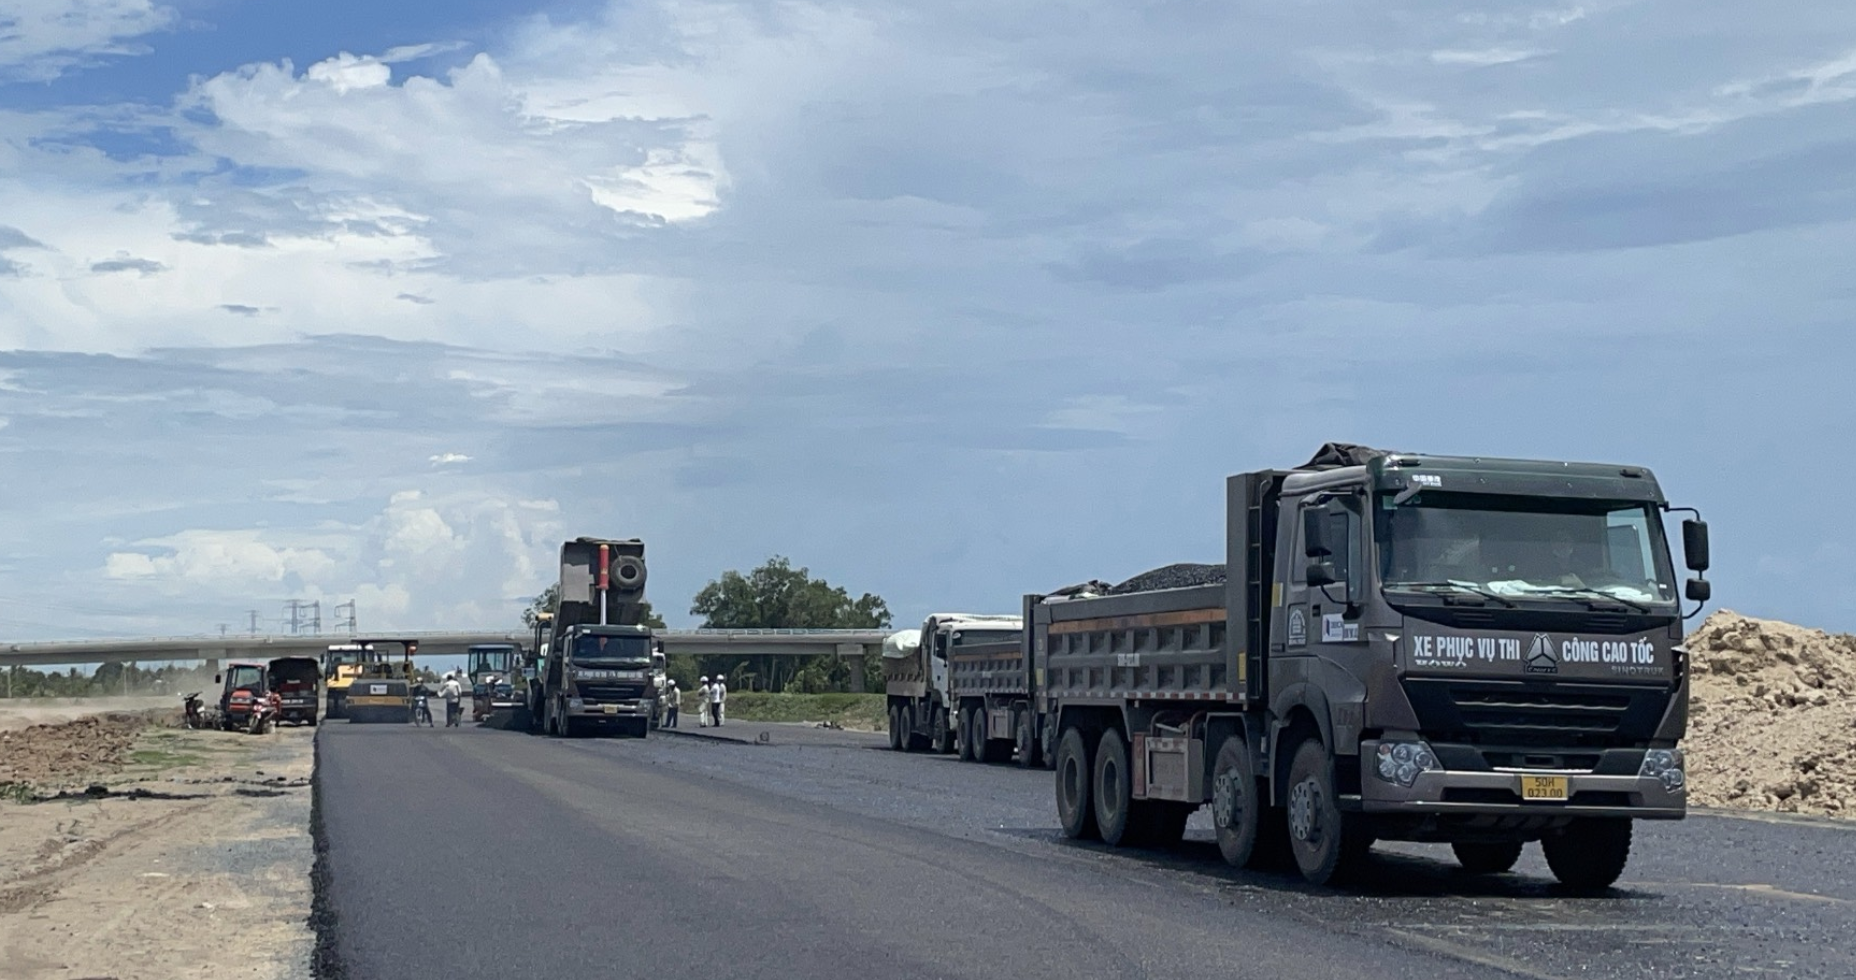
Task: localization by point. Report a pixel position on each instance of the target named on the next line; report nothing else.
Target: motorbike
(196, 712)
(264, 713)
(421, 711)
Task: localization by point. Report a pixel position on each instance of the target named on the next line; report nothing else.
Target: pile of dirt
(72, 750)
(1772, 722)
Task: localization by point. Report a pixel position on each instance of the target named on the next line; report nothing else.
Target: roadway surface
(818, 855)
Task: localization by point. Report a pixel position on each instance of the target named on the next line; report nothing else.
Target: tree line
(106, 680)
(774, 596)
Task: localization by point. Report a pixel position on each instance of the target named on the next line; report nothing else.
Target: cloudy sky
(947, 301)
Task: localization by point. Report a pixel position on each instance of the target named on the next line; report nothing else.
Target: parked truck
(925, 711)
(597, 672)
(1482, 652)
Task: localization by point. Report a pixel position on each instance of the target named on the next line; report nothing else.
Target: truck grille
(610, 692)
(1514, 715)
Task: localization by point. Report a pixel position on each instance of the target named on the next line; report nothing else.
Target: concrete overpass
(850, 644)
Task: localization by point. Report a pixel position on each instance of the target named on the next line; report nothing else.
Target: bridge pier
(853, 654)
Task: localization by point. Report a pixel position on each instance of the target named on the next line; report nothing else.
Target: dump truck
(1475, 651)
(955, 683)
(597, 673)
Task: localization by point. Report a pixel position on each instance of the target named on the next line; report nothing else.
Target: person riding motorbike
(421, 704)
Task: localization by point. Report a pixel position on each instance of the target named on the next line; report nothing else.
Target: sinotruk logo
(1540, 658)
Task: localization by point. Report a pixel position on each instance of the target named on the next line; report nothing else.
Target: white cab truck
(924, 711)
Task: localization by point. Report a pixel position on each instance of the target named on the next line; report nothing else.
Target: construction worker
(453, 693)
(702, 704)
(718, 694)
(671, 694)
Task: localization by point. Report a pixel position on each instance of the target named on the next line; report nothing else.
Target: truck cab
(601, 678)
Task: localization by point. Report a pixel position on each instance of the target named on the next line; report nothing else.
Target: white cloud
(42, 39)
(1484, 58)
(449, 459)
(216, 559)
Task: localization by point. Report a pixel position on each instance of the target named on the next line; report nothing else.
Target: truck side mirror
(1699, 590)
(1695, 544)
(1315, 534)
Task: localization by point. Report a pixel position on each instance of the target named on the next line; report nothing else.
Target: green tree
(778, 596)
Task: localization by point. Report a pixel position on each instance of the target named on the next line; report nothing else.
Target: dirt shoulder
(17, 713)
(133, 850)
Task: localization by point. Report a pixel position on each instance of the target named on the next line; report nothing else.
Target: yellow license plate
(611, 709)
(1544, 788)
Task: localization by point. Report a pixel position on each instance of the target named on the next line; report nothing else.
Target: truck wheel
(1236, 811)
(895, 728)
(1074, 810)
(943, 735)
(966, 736)
(1486, 857)
(1590, 853)
(1113, 792)
(311, 722)
(913, 739)
(1328, 844)
(1030, 753)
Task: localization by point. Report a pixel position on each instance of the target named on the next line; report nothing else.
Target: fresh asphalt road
(822, 857)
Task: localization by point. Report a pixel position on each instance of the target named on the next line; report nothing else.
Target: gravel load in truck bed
(1179, 576)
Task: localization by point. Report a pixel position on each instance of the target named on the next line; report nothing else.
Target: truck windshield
(1525, 546)
(635, 650)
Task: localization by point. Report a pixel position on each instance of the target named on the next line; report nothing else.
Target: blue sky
(948, 301)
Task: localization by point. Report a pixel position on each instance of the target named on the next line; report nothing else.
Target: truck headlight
(575, 703)
(1665, 766)
(1401, 762)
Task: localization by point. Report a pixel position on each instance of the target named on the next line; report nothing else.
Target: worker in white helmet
(702, 703)
(718, 695)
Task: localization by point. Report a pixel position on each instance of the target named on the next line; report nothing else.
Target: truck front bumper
(609, 711)
(1517, 792)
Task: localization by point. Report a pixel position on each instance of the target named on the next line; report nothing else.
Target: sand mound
(1772, 722)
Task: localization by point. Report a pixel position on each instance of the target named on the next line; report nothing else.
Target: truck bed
(988, 669)
(1170, 644)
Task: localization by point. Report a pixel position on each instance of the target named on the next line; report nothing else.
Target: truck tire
(912, 739)
(1486, 857)
(1329, 845)
(1030, 750)
(1113, 792)
(1074, 776)
(966, 736)
(1590, 853)
(1236, 809)
(895, 728)
(944, 735)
